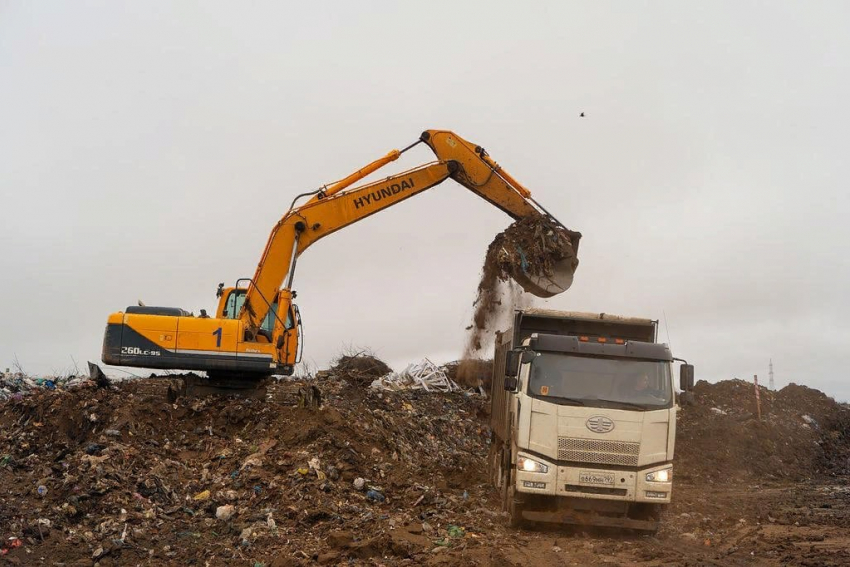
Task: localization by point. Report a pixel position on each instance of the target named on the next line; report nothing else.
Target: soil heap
(360, 369)
(121, 476)
(802, 434)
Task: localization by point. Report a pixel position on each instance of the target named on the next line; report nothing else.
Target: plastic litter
(203, 495)
(17, 384)
(94, 449)
(375, 496)
(455, 531)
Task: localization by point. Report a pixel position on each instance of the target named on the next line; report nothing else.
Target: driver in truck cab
(641, 388)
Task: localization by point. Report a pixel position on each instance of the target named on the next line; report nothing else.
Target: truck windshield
(601, 382)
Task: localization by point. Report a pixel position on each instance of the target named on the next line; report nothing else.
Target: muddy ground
(123, 476)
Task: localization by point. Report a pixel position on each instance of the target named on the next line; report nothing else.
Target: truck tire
(514, 505)
(493, 464)
(504, 479)
(511, 502)
(647, 512)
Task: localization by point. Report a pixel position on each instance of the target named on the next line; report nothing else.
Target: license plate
(604, 479)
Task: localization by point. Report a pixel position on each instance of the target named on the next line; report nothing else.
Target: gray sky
(708, 176)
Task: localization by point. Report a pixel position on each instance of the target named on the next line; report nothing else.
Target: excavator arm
(334, 207)
(304, 225)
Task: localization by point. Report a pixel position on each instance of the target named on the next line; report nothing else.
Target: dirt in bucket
(530, 247)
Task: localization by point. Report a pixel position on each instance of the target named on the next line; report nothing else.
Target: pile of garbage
(802, 434)
(359, 368)
(18, 384)
(120, 475)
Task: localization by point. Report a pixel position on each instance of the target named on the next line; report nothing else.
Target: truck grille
(598, 451)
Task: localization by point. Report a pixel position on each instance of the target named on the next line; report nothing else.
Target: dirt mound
(122, 476)
(360, 369)
(530, 246)
(471, 372)
(802, 434)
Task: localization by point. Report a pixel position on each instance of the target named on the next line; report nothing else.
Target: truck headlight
(664, 475)
(527, 464)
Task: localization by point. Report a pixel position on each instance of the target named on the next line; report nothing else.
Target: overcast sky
(147, 149)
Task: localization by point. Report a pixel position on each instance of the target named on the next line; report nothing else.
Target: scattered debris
(17, 384)
(374, 476)
(423, 375)
(243, 480)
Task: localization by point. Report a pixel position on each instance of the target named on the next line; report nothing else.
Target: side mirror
(512, 358)
(686, 377)
(280, 340)
(511, 384)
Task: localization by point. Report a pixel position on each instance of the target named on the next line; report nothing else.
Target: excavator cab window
(234, 303)
(268, 322)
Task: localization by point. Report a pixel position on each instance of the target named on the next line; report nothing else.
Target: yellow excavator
(256, 331)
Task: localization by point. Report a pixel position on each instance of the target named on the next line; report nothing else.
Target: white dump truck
(584, 419)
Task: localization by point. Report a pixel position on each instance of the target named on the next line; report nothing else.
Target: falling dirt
(471, 372)
(530, 246)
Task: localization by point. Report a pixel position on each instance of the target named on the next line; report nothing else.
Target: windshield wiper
(568, 401)
(622, 403)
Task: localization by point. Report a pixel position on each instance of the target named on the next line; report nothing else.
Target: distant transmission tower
(770, 374)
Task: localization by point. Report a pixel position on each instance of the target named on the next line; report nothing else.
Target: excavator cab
(281, 326)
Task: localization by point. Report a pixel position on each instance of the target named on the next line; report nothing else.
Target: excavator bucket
(548, 285)
(538, 254)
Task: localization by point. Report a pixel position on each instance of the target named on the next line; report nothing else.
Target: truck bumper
(595, 482)
(589, 519)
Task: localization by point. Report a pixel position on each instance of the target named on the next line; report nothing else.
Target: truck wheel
(493, 462)
(513, 503)
(647, 512)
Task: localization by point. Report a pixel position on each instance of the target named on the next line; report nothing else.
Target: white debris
(718, 411)
(423, 375)
(224, 512)
(810, 420)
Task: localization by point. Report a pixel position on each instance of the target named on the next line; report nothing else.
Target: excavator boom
(337, 206)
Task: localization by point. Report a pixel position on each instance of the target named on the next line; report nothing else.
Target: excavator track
(194, 386)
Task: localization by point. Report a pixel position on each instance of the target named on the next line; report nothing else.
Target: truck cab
(583, 419)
